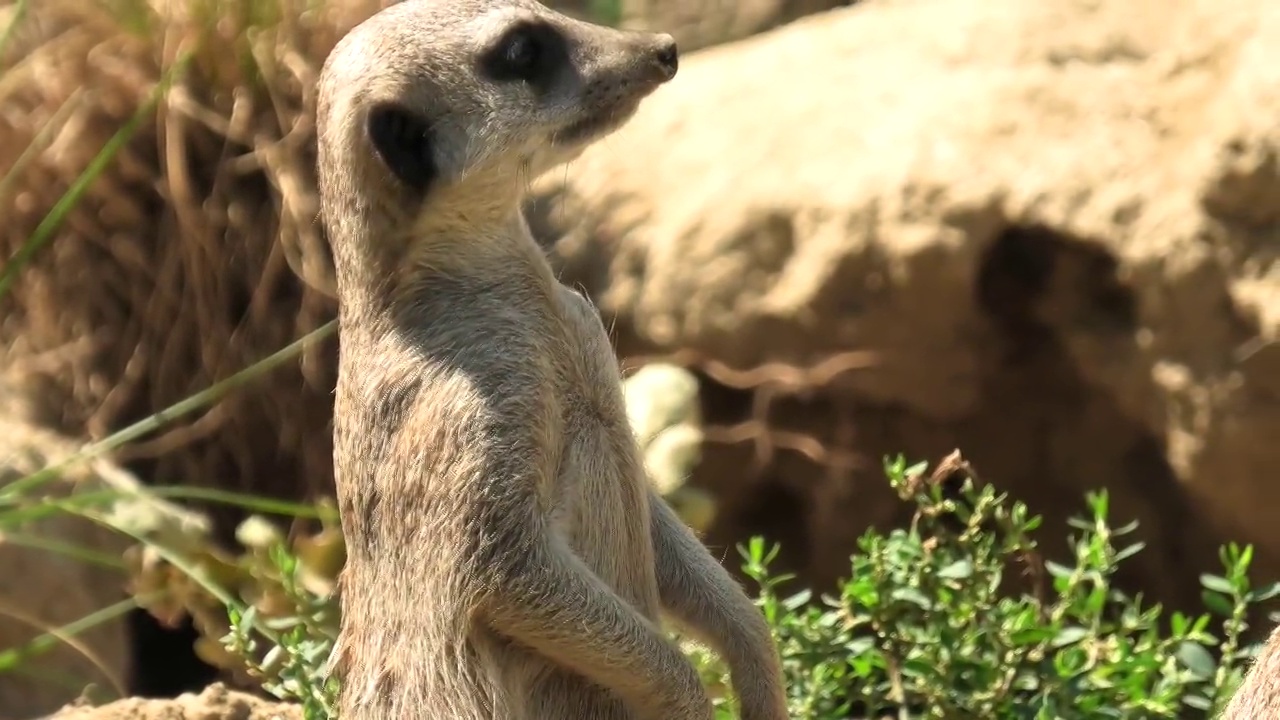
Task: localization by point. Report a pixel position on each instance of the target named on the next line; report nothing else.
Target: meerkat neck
(383, 264)
(362, 261)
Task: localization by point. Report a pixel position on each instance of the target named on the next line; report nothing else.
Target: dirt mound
(215, 703)
(1054, 223)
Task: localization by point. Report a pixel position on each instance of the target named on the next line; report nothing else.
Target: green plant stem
(57, 215)
(19, 13)
(201, 399)
(13, 657)
(97, 498)
(61, 548)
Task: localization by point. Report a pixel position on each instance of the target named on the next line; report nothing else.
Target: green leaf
(1196, 659)
(1070, 635)
(1266, 592)
(913, 596)
(1031, 636)
(860, 646)
(1129, 552)
(1217, 584)
(958, 570)
(1198, 702)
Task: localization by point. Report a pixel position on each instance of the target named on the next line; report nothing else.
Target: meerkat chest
(603, 503)
(603, 508)
(592, 383)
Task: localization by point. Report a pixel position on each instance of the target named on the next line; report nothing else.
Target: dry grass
(198, 250)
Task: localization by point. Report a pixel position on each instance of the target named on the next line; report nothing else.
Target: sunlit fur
(507, 559)
(1258, 696)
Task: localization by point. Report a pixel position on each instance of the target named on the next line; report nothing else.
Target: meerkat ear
(403, 141)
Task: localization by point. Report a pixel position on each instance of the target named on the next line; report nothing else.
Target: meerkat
(1258, 696)
(507, 558)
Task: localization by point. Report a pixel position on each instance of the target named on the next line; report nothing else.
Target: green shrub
(931, 623)
(293, 668)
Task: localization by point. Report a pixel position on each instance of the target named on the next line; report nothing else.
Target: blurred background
(1046, 233)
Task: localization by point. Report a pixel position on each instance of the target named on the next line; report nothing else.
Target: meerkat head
(474, 97)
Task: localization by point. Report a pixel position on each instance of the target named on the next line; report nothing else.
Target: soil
(216, 702)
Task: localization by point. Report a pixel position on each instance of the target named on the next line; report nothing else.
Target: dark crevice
(165, 664)
(1060, 434)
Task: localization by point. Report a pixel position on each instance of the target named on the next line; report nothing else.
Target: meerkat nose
(666, 55)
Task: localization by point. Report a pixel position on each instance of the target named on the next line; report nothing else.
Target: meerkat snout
(666, 56)
(663, 57)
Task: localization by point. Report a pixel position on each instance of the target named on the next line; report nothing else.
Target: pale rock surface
(701, 23)
(696, 23)
(1057, 222)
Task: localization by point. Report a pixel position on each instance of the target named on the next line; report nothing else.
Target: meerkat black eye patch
(529, 51)
(403, 141)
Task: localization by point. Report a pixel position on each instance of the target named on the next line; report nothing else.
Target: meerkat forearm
(558, 608)
(704, 598)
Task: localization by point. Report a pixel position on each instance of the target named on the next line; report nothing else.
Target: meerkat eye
(528, 52)
(402, 139)
(521, 53)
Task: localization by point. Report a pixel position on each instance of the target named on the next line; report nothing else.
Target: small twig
(769, 381)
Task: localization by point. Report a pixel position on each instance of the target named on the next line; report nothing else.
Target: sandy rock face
(696, 23)
(1056, 223)
(702, 23)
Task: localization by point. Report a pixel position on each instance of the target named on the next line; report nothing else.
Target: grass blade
(97, 498)
(76, 552)
(208, 396)
(13, 658)
(19, 12)
(52, 221)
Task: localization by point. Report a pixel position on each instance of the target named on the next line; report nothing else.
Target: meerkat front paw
(702, 709)
(694, 703)
(778, 713)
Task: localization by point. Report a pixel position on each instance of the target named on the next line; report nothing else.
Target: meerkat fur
(1258, 697)
(507, 558)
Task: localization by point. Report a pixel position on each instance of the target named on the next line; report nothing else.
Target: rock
(216, 702)
(662, 409)
(695, 23)
(1054, 224)
(702, 23)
